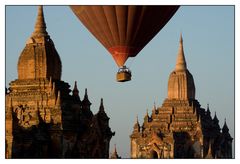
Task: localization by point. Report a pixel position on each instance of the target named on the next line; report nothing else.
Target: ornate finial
(75, 89)
(181, 39)
(86, 94)
(101, 108)
(75, 85)
(137, 119)
(208, 111)
(225, 122)
(181, 63)
(40, 25)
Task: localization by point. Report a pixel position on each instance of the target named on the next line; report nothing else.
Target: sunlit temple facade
(180, 128)
(44, 118)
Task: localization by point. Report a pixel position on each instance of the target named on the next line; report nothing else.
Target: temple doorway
(154, 154)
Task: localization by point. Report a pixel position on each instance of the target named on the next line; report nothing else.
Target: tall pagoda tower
(180, 128)
(43, 120)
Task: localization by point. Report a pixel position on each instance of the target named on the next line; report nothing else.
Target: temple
(44, 118)
(180, 128)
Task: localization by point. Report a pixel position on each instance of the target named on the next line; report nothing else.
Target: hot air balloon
(124, 30)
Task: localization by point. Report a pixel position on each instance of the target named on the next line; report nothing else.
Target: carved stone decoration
(26, 116)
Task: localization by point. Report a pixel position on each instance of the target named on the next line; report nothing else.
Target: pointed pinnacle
(86, 95)
(181, 62)
(75, 89)
(40, 25)
(225, 122)
(208, 108)
(181, 39)
(75, 86)
(101, 108)
(225, 127)
(137, 122)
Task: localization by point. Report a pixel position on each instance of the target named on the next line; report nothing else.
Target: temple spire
(40, 25)
(181, 63)
(137, 122)
(215, 119)
(75, 91)
(86, 101)
(101, 108)
(208, 111)
(86, 94)
(225, 127)
(136, 127)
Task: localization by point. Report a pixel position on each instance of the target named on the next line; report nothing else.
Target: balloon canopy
(124, 30)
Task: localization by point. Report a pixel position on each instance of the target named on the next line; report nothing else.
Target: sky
(208, 39)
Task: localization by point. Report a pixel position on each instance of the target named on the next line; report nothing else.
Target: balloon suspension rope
(131, 62)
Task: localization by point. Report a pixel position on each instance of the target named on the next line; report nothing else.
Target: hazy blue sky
(208, 35)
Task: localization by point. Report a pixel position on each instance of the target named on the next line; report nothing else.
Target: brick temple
(44, 117)
(180, 128)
